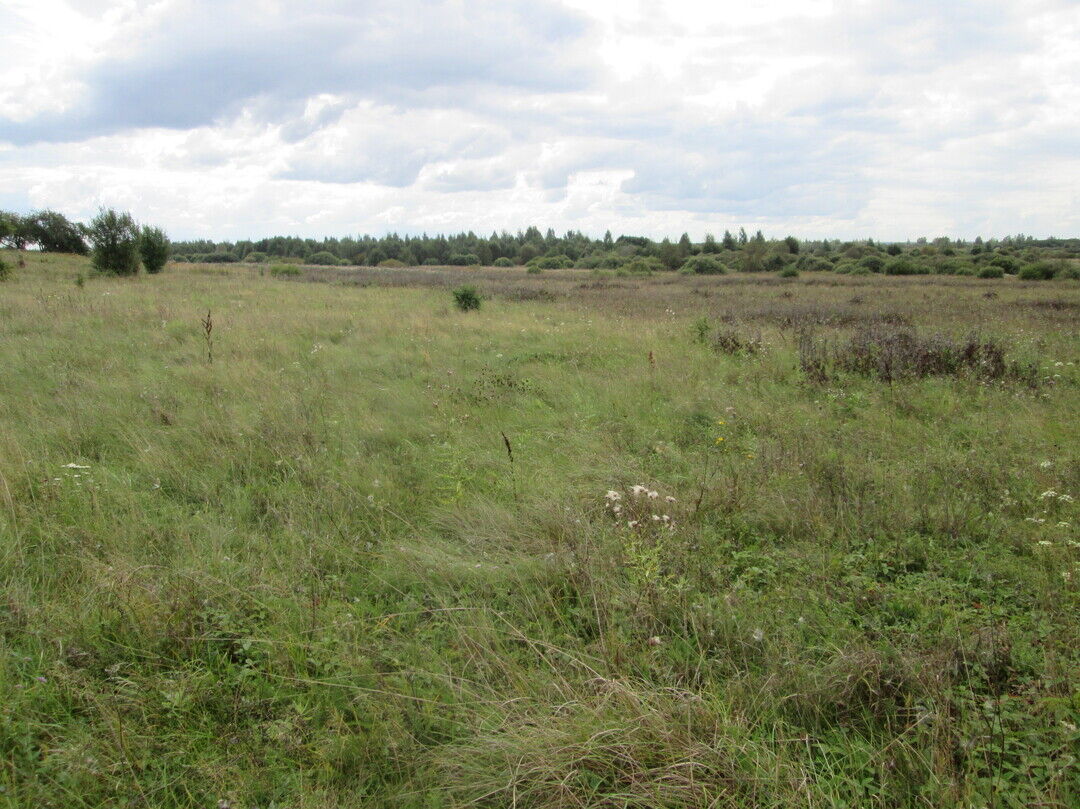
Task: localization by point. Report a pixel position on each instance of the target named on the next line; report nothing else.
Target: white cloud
(830, 117)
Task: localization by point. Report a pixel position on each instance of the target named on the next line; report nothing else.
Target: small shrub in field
(463, 260)
(284, 270)
(903, 265)
(872, 263)
(991, 272)
(532, 269)
(894, 250)
(153, 248)
(324, 258)
(789, 272)
(551, 262)
(466, 298)
(1007, 263)
(255, 257)
(392, 263)
(729, 340)
(1039, 271)
(814, 264)
(703, 264)
(1069, 273)
(503, 261)
(848, 267)
(115, 238)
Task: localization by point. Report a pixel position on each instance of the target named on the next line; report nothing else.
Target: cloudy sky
(841, 118)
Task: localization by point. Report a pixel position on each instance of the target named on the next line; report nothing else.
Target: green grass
(307, 574)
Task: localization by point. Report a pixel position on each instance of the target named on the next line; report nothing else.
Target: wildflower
(719, 439)
(759, 636)
(1046, 543)
(1037, 520)
(1067, 575)
(632, 524)
(721, 422)
(1063, 525)
(656, 518)
(1046, 464)
(669, 499)
(617, 509)
(653, 495)
(654, 640)
(613, 496)
(638, 490)
(75, 466)
(1048, 494)
(1065, 498)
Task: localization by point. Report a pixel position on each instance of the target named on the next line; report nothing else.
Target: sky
(229, 119)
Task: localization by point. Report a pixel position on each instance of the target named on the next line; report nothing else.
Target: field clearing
(295, 565)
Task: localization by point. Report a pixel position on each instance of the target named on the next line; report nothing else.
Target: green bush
(55, 233)
(5, 270)
(551, 262)
(466, 298)
(874, 263)
(463, 260)
(503, 261)
(286, 270)
(1068, 272)
(255, 257)
(814, 264)
(789, 272)
(1039, 271)
(903, 265)
(992, 271)
(324, 258)
(393, 263)
(894, 250)
(115, 238)
(1006, 263)
(153, 248)
(216, 258)
(704, 264)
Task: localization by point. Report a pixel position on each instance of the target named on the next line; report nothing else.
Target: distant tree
(759, 237)
(743, 238)
(14, 231)
(894, 249)
(753, 257)
(729, 241)
(686, 247)
(115, 239)
(709, 246)
(153, 248)
(608, 241)
(323, 258)
(792, 245)
(55, 233)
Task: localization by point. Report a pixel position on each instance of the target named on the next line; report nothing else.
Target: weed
(466, 298)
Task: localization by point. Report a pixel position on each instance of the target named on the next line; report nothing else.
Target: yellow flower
(719, 439)
(720, 422)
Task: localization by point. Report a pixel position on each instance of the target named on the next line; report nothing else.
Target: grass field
(295, 565)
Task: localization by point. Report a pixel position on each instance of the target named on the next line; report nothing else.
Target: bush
(902, 265)
(463, 260)
(789, 272)
(255, 257)
(502, 262)
(324, 258)
(392, 263)
(115, 237)
(1039, 271)
(285, 270)
(532, 269)
(153, 248)
(894, 250)
(220, 257)
(704, 264)
(992, 271)
(814, 264)
(1068, 273)
(1006, 263)
(551, 262)
(466, 298)
(872, 263)
(5, 270)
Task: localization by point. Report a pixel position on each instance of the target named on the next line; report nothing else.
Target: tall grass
(365, 556)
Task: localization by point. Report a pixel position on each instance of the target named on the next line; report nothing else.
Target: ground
(354, 547)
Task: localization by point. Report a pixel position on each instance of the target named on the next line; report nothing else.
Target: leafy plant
(115, 239)
(466, 298)
(153, 248)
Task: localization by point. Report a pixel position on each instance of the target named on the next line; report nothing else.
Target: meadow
(320, 539)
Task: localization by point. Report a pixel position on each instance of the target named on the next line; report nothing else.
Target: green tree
(729, 241)
(14, 231)
(115, 238)
(710, 246)
(154, 248)
(669, 255)
(55, 233)
(743, 238)
(792, 245)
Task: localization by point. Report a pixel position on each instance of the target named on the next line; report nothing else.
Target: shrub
(775, 262)
(284, 270)
(532, 269)
(814, 264)
(115, 237)
(153, 248)
(848, 267)
(789, 272)
(431, 262)
(463, 260)
(1039, 271)
(903, 265)
(991, 272)
(1068, 272)
(705, 264)
(872, 263)
(255, 257)
(392, 263)
(894, 250)
(502, 261)
(551, 262)
(466, 298)
(5, 270)
(1006, 263)
(220, 257)
(324, 258)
